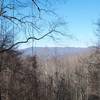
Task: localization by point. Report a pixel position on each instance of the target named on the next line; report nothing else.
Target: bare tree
(30, 25)
(15, 21)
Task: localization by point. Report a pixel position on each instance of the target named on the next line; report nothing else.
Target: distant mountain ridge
(52, 51)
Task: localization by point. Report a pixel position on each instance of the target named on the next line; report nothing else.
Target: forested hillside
(56, 72)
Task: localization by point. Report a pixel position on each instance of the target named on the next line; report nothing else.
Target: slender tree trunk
(0, 73)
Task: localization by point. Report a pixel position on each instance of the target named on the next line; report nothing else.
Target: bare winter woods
(65, 78)
(74, 77)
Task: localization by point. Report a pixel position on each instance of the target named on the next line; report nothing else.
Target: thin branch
(36, 5)
(21, 42)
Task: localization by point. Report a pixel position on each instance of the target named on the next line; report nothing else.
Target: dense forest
(75, 77)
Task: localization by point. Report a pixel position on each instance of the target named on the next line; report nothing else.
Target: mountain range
(54, 51)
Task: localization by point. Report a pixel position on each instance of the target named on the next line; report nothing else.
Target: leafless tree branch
(29, 38)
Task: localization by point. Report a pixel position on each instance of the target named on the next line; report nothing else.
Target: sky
(81, 17)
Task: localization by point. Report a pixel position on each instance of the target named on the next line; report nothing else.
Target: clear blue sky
(80, 16)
